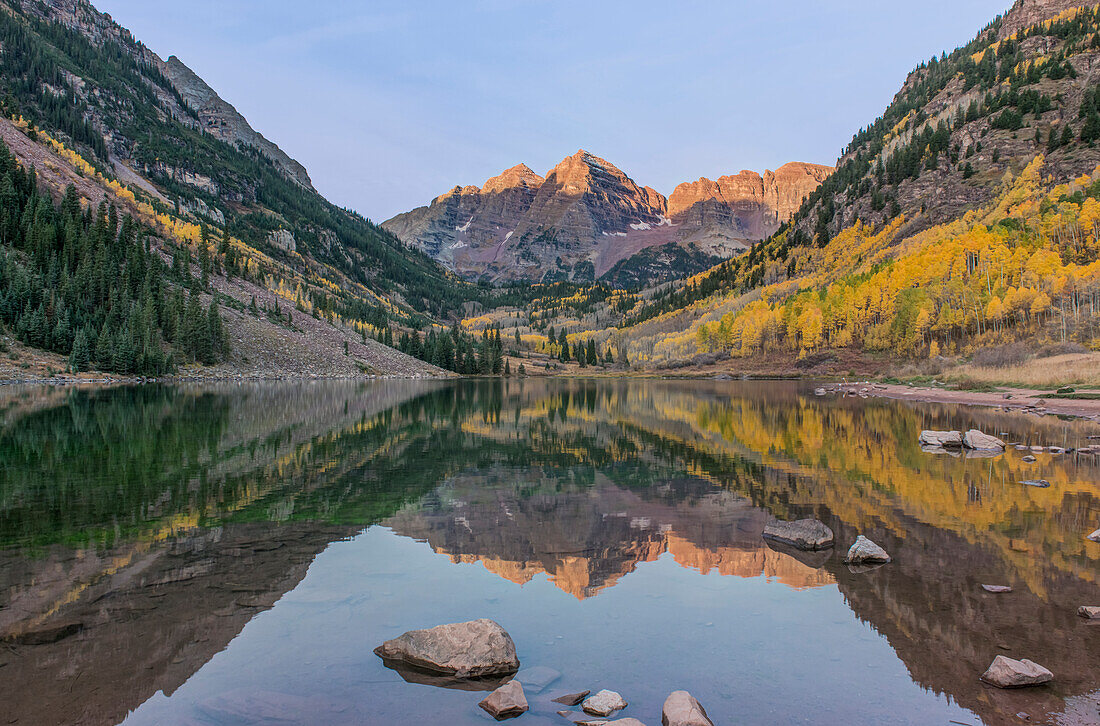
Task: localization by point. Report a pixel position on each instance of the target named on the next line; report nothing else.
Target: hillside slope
(963, 218)
(128, 217)
(159, 129)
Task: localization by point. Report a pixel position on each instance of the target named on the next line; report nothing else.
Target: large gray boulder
(974, 439)
(604, 703)
(1008, 673)
(681, 709)
(467, 650)
(508, 701)
(805, 534)
(942, 439)
(865, 552)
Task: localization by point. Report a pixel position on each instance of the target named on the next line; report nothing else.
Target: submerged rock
(1037, 483)
(625, 722)
(603, 703)
(1089, 612)
(508, 701)
(997, 588)
(1008, 673)
(974, 439)
(571, 699)
(536, 679)
(805, 534)
(942, 439)
(468, 650)
(681, 709)
(864, 552)
(1029, 459)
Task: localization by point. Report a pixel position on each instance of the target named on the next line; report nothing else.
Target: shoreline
(1020, 400)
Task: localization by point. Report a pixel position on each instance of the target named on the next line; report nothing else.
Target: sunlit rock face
(587, 218)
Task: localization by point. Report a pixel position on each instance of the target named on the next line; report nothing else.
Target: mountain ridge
(586, 219)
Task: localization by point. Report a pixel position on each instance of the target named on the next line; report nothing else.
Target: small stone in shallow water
(603, 703)
(996, 588)
(1037, 483)
(1029, 459)
(864, 551)
(508, 701)
(1088, 611)
(1095, 536)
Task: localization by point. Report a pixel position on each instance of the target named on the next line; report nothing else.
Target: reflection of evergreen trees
(85, 284)
(106, 462)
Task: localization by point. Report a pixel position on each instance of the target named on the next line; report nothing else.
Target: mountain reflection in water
(152, 539)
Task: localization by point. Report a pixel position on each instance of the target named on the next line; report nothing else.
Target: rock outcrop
(587, 216)
(475, 649)
(1025, 13)
(1008, 673)
(221, 120)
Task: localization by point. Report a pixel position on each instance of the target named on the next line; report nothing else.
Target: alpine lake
(233, 553)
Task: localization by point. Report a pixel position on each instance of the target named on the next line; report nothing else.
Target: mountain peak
(519, 175)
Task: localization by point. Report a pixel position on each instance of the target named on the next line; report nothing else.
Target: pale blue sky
(389, 103)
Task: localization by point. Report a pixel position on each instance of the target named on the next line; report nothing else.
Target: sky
(389, 103)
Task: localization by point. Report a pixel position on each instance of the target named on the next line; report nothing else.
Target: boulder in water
(942, 439)
(681, 709)
(1008, 673)
(468, 650)
(1089, 612)
(974, 439)
(805, 534)
(865, 552)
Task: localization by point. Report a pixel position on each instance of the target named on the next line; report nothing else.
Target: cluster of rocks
(813, 535)
(972, 440)
(482, 649)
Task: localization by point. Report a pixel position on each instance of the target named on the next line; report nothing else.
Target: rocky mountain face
(964, 120)
(162, 132)
(586, 220)
(221, 120)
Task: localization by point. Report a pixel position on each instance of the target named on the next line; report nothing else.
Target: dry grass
(1075, 369)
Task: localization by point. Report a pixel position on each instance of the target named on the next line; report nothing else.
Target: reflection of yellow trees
(872, 471)
(862, 462)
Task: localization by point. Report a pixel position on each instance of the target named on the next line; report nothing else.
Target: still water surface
(233, 554)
